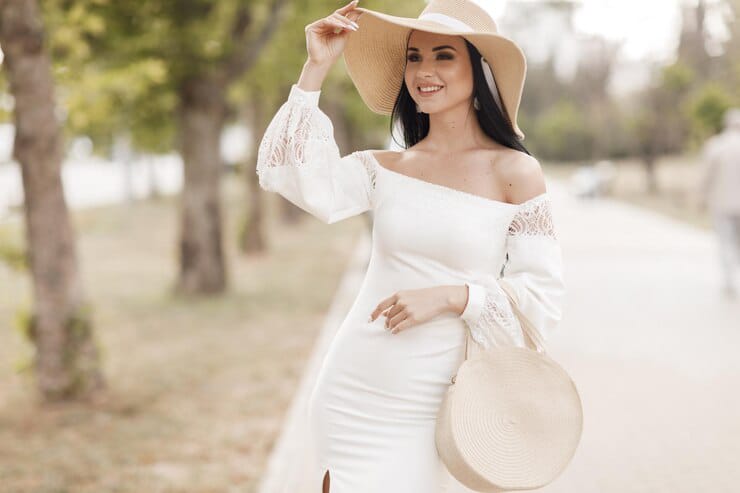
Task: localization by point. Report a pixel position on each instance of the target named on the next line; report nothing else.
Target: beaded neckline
(452, 191)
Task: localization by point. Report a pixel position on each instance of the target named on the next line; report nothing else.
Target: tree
(203, 47)
(563, 133)
(692, 41)
(67, 359)
(661, 124)
(707, 108)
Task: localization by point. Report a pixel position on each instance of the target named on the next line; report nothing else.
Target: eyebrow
(433, 49)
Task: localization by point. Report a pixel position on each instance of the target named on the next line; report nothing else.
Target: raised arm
(298, 156)
(299, 159)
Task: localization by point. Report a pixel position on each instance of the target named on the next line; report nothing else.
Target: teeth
(430, 89)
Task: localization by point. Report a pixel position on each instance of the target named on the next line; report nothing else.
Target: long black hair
(495, 124)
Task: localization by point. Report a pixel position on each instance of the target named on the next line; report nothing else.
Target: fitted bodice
(433, 230)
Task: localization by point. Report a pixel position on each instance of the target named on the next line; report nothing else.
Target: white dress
(373, 409)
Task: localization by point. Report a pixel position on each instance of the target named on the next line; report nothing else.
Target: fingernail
(370, 318)
(355, 24)
(352, 27)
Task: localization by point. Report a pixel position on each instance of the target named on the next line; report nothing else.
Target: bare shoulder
(387, 158)
(521, 175)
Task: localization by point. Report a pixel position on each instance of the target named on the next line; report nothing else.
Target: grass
(197, 388)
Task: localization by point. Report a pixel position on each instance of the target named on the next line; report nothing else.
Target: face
(438, 60)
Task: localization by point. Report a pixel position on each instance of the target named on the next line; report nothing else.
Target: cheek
(459, 79)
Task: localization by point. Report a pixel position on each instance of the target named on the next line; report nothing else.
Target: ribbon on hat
(488, 73)
(448, 21)
(459, 25)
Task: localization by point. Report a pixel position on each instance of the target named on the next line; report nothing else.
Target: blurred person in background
(720, 193)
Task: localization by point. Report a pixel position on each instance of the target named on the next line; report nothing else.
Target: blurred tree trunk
(203, 111)
(649, 137)
(692, 40)
(252, 235)
(202, 114)
(648, 158)
(67, 359)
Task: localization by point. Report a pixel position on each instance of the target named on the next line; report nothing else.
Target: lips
(429, 89)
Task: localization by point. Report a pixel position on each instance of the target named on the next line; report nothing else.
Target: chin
(431, 109)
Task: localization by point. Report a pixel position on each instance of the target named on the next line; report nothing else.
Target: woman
(462, 204)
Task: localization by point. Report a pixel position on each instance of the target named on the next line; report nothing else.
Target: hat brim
(375, 56)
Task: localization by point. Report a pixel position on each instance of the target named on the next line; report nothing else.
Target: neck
(455, 129)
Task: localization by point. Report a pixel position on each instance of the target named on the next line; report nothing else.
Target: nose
(425, 68)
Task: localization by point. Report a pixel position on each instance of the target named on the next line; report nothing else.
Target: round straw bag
(511, 418)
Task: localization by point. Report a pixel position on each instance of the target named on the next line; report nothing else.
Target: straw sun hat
(375, 55)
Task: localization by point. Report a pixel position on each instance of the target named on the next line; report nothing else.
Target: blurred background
(158, 311)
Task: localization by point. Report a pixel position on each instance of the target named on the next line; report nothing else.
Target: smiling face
(438, 72)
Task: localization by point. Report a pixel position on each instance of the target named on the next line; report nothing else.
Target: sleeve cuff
(474, 307)
(309, 98)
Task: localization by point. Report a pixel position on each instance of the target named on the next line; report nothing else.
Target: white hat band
(447, 21)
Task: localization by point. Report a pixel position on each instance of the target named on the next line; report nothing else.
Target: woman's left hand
(410, 307)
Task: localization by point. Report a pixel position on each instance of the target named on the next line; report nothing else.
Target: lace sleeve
(533, 271)
(299, 159)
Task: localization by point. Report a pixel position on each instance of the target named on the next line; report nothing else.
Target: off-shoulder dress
(373, 408)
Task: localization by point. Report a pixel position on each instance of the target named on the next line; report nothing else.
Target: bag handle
(532, 338)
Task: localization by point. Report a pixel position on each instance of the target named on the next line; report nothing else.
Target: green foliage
(134, 98)
(79, 333)
(5, 114)
(24, 323)
(12, 252)
(707, 107)
(562, 133)
(102, 91)
(121, 63)
(677, 78)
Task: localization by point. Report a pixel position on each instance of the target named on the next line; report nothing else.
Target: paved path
(653, 347)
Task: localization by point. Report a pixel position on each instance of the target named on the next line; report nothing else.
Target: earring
(476, 104)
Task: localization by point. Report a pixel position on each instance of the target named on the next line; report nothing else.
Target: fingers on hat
(347, 7)
(354, 15)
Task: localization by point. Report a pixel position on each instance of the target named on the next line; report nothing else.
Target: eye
(441, 56)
